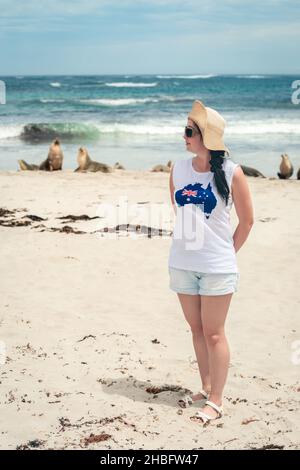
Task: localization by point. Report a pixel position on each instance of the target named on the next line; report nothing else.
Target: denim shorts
(183, 281)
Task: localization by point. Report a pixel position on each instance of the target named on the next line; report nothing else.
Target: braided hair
(216, 167)
(216, 162)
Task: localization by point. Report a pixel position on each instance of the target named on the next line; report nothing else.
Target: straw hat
(211, 124)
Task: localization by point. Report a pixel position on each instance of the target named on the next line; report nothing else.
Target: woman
(202, 262)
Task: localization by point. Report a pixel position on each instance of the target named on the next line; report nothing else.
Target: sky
(62, 37)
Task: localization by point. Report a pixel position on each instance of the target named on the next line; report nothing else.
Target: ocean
(138, 120)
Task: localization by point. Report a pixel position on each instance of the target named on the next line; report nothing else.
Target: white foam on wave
(131, 84)
(188, 77)
(10, 130)
(120, 101)
(270, 126)
(251, 76)
(55, 84)
(134, 101)
(251, 127)
(51, 101)
(139, 129)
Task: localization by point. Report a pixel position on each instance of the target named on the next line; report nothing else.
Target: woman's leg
(214, 310)
(191, 306)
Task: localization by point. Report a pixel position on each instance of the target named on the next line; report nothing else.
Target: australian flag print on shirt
(196, 194)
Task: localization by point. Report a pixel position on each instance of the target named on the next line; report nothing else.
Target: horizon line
(144, 74)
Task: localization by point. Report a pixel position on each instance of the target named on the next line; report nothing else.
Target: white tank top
(202, 237)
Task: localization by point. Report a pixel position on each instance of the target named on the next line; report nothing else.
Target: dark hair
(216, 162)
(216, 167)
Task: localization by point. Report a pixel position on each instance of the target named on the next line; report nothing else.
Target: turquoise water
(138, 120)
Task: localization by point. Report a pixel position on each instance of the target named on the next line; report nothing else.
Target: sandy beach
(95, 348)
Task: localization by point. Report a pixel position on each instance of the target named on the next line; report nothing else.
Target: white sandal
(205, 417)
(187, 399)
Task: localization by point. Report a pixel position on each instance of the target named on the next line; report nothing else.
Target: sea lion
(118, 166)
(165, 168)
(27, 166)
(286, 168)
(86, 164)
(248, 171)
(53, 161)
(298, 174)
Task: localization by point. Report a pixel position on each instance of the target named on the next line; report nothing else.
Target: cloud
(164, 17)
(173, 35)
(44, 8)
(15, 8)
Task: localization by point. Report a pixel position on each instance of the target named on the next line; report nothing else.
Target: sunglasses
(190, 131)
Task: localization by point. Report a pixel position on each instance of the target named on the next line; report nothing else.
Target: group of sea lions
(285, 169)
(55, 157)
(54, 162)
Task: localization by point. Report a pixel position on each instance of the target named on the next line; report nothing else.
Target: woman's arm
(243, 206)
(172, 188)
